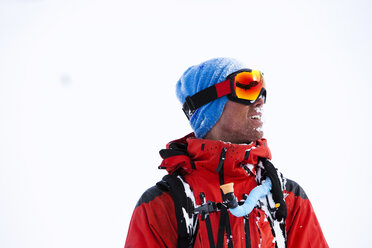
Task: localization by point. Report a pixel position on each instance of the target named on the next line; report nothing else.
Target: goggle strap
(223, 88)
(205, 96)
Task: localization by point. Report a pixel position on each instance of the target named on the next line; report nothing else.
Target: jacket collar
(236, 157)
(206, 154)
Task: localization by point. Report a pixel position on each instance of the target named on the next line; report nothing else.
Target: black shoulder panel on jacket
(150, 195)
(294, 187)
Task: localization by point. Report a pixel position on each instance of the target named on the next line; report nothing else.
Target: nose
(259, 102)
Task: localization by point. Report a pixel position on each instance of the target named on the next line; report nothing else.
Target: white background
(87, 99)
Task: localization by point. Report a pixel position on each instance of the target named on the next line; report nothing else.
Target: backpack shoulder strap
(184, 207)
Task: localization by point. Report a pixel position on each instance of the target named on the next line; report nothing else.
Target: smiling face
(239, 123)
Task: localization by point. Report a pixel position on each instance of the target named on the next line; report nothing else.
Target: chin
(258, 134)
(246, 137)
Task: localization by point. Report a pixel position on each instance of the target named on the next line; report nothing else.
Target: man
(223, 101)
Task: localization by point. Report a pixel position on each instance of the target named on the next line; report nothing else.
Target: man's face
(239, 123)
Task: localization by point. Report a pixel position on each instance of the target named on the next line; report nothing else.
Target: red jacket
(154, 222)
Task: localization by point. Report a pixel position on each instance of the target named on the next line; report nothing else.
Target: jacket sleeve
(153, 222)
(302, 226)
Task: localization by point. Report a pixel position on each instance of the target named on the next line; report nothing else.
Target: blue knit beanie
(199, 77)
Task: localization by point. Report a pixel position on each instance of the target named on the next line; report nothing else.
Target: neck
(213, 136)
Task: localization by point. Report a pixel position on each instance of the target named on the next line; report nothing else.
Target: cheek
(238, 118)
(237, 126)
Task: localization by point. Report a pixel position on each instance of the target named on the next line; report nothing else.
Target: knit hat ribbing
(199, 77)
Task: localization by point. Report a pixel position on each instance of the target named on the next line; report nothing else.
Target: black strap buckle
(205, 209)
(188, 107)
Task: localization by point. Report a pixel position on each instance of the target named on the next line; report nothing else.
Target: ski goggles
(244, 86)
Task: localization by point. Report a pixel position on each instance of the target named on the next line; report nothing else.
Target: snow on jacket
(154, 223)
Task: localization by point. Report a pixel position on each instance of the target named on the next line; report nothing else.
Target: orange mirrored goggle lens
(248, 85)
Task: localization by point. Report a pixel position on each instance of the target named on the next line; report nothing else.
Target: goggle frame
(226, 87)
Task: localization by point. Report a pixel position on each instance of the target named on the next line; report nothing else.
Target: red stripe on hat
(223, 88)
